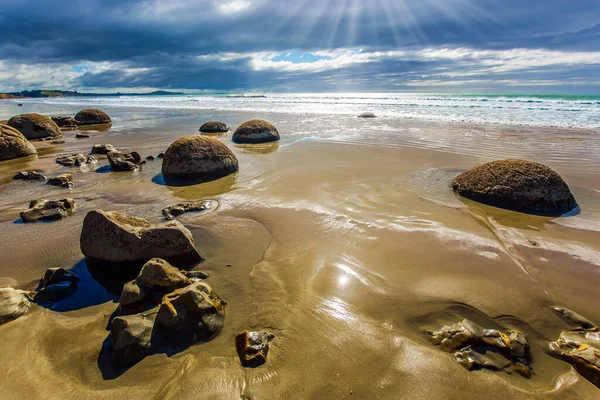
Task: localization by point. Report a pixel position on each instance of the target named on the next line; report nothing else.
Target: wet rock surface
(102, 149)
(196, 206)
(65, 122)
(214, 127)
(116, 238)
(56, 284)
(253, 347)
(124, 161)
(518, 185)
(255, 131)
(475, 347)
(197, 159)
(92, 116)
(13, 304)
(13, 144)
(48, 210)
(35, 126)
(75, 160)
(63, 180)
(30, 176)
(131, 337)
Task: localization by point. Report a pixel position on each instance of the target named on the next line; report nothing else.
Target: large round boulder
(92, 116)
(197, 159)
(13, 144)
(214, 127)
(255, 131)
(122, 240)
(35, 126)
(518, 185)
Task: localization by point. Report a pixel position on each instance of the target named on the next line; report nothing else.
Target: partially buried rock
(190, 315)
(59, 141)
(124, 161)
(160, 155)
(214, 127)
(367, 115)
(518, 185)
(65, 122)
(196, 206)
(75, 160)
(13, 304)
(195, 275)
(255, 131)
(48, 210)
(92, 116)
(150, 158)
(82, 136)
(30, 176)
(63, 180)
(13, 144)
(35, 126)
(56, 284)
(253, 347)
(196, 159)
(103, 148)
(157, 278)
(131, 338)
(115, 238)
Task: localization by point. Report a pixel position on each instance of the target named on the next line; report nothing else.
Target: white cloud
(234, 6)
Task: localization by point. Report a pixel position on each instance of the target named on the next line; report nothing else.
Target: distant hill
(65, 93)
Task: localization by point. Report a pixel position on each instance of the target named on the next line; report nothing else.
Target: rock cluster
(30, 176)
(13, 144)
(475, 347)
(35, 126)
(518, 185)
(103, 149)
(75, 160)
(255, 131)
(48, 210)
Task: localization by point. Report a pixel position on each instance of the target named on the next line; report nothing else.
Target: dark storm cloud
(171, 44)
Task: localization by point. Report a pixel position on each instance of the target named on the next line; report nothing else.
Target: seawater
(566, 111)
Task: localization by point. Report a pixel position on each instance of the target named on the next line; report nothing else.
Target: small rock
(150, 158)
(199, 275)
(124, 161)
(13, 304)
(471, 359)
(367, 115)
(59, 141)
(30, 176)
(197, 206)
(103, 148)
(48, 210)
(133, 298)
(161, 155)
(82, 136)
(131, 338)
(56, 284)
(253, 347)
(574, 318)
(75, 160)
(65, 122)
(63, 180)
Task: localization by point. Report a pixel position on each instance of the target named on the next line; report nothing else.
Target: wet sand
(344, 240)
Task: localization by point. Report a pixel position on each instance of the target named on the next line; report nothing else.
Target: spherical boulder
(197, 159)
(13, 144)
(518, 185)
(92, 116)
(255, 131)
(214, 127)
(35, 126)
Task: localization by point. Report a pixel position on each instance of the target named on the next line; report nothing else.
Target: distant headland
(64, 93)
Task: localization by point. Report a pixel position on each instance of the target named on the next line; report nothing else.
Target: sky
(464, 46)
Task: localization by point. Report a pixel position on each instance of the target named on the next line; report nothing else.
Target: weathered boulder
(65, 122)
(92, 116)
(518, 185)
(48, 210)
(131, 338)
(13, 144)
(195, 206)
(197, 159)
(253, 347)
(157, 278)
(116, 238)
(13, 304)
(103, 148)
(75, 160)
(214, 127)
(124, 161)
(62, 180)
(367, 115)
(255, 131)
(575, 319)
(190, 315)
(35, 126)
(56, 284)
(580, 348)
(30, 176)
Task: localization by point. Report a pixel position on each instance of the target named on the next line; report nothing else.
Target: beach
(343, 239)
